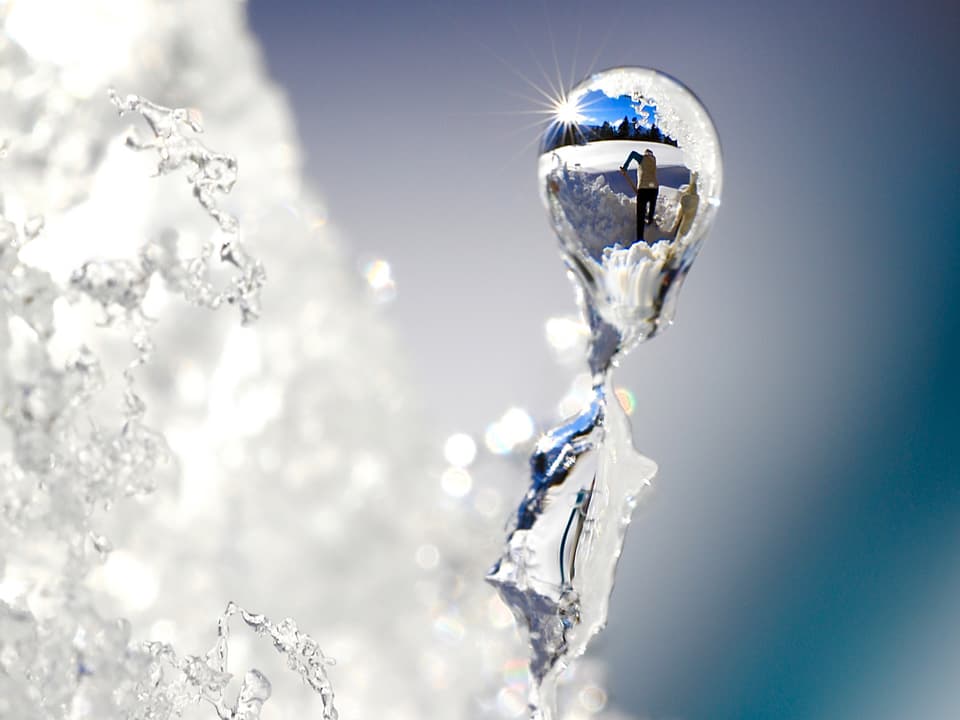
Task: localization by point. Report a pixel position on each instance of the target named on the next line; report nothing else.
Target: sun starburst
(567, 111)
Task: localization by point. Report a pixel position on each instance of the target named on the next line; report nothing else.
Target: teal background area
(800, 557)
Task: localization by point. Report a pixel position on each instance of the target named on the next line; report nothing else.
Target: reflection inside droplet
(630, 171)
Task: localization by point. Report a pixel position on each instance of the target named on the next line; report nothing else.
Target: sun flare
(567, 111)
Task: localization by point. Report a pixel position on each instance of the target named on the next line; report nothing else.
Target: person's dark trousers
(641, 213)
(647, 203)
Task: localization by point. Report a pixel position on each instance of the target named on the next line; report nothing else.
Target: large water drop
(631, 173)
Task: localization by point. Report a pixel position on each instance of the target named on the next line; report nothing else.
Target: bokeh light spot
(593, 699)
(456, 482)
(511, 703)
(427, 556)
(504, 435)
(627, 400)
(460, 450)
(379, 276)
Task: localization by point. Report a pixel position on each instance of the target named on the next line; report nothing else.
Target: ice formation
(157, 460)
(558, 568)
(212, 174)
(65, 658)
(628, 261)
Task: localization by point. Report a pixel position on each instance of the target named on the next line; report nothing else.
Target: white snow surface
(602, 156)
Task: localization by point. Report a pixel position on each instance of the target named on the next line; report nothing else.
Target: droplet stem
(605, 342)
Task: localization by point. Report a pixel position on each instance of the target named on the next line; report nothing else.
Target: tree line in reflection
(627, 129)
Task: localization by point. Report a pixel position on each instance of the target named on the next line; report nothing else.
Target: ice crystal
(58, 656)
(302, 652)
(205, 678)
(558, 567)
(296, 438)
(213, 173)
(627, 245)
(91, 668)
(210, 174)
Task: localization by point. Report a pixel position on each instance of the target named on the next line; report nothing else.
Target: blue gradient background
(800, 557)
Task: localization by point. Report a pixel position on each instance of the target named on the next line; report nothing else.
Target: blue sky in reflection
(597, 107)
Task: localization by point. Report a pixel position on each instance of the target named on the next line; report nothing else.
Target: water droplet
(630, 171)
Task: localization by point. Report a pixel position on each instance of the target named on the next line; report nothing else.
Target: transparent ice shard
(558, 567)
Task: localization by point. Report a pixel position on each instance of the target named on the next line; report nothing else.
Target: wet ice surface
(630, 175)
(558, 567)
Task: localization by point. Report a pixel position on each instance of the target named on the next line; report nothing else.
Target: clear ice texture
(267, 426)
(211, 174)
(630, 173)
(558, 567)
